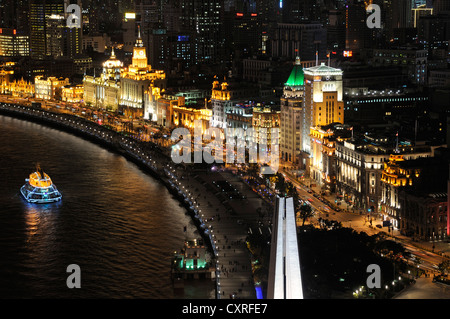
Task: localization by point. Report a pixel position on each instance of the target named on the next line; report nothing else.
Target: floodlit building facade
(140, 85)
(104, 90)
(49, 88)
(292, 116)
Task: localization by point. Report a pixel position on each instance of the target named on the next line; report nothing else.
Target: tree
(444, 266)
(305, 212)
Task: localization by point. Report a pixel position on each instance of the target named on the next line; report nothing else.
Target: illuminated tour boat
(40, 189)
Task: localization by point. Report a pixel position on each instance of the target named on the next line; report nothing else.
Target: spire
(139, 42)
(113, 55)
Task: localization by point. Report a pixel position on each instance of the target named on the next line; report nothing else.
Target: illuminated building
(104, 91)
(400, 171)
(224, 96)
(265, 118)
(39, 11)
(186, 116)
(13, 44)
(203, 18)
(359, 165)
(292, 115)
(49, 88)
(240, 115)
(140, 85)
(21, 88)
(323, 105)
(72, 94)
(366, 106)
(54, 35)
(173, 112)
(322, 166)
(6, 74)
(165, 110)
(420, 12)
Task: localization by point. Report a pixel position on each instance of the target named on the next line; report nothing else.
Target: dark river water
(118, 224)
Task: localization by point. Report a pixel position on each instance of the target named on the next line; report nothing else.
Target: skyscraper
(292, 115)
(324, 102)
(204, 19)
(49, 33)
(40, 10)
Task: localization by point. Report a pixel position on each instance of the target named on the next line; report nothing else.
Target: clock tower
(139, 55)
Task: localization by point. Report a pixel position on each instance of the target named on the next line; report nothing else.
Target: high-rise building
(292, 115)
(14, 15)
(40, 10)
(204, 19)
(13, 43)
(49, 33)
(441, 6)
(413, 62)
(323, 100)
(309, 41)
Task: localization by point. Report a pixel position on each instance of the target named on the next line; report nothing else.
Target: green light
(297, 77)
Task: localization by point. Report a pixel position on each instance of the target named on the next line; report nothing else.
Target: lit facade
(49, 88)
(13, 44)
(265, 118)
(186, 116)
(323, 101)
(323, 163)
(225, 96)
(72, 94)
(138, 80)
(104, 91)
(359, 167)
(399, 172)
(292, 116)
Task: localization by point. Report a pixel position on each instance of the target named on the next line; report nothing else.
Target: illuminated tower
(323, 99)
(140, 85)
(292, 115)
(39, 11)
(139, 54)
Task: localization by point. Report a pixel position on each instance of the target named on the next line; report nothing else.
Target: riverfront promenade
(225, 224)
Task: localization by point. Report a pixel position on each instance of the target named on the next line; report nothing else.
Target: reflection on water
(40, 218)
(114, 221)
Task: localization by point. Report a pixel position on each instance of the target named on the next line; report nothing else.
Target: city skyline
(358, 116)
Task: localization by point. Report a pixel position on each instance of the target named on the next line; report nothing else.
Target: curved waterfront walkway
(223, 223)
